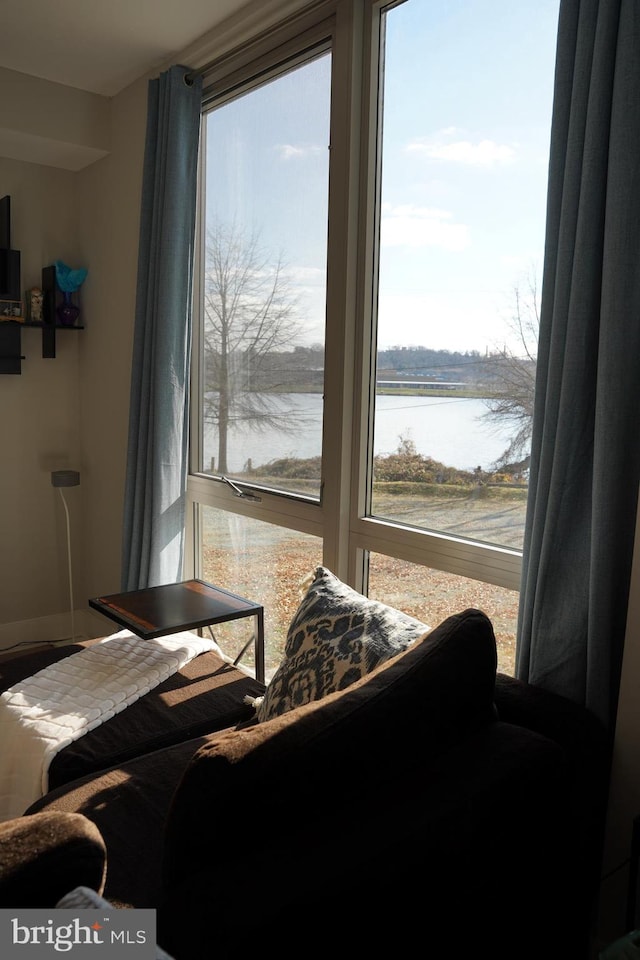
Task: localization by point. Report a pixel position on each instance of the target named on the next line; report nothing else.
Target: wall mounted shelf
(11, 355)
(49, 335)
(11, 342)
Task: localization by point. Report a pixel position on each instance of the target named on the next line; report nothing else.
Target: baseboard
(52, 629)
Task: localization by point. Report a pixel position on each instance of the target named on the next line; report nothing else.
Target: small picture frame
(11, 310)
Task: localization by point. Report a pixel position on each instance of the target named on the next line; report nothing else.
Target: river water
(448, 429)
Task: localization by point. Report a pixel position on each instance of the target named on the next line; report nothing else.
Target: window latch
(241, 493)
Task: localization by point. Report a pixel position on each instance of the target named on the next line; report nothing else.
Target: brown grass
(268, 563)
(272, 575)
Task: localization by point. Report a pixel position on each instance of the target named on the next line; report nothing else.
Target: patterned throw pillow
(336, 636)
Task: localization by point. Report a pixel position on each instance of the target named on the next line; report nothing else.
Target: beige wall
(40, 425)
(71, 411)
(109, 198)
(624, 795)
(50, 124)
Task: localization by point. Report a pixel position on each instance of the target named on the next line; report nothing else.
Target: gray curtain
(585, 463)
(154, 509)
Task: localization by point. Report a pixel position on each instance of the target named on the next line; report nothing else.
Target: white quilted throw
(42, 714)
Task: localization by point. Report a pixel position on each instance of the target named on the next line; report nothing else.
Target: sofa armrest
(587, 757)
(456, 853)
(45, 855)
(571, 725)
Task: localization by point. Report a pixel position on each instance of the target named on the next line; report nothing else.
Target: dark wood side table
(188, 605)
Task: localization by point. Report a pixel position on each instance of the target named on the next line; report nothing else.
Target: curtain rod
(289, 21)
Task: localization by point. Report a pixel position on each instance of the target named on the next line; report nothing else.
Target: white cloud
(308, 276)
(411, 226)
(289, 151)
(483, 153)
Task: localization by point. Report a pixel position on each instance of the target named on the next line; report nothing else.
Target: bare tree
(250, 313)
(512, 372)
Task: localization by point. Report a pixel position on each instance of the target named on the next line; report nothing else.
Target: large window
(265, 198)
(371, 240)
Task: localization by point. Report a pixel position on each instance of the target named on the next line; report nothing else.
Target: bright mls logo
(81, 934)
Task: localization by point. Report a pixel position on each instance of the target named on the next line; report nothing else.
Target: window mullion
(342, 287)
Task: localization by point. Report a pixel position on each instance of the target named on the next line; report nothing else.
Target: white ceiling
(102, 45)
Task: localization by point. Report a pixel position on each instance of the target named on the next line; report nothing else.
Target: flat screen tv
(5, 223)
(9, 259)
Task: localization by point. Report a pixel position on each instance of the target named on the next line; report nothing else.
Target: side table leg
(259, 648)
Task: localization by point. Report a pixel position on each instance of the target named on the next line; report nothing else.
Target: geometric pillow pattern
(336, 636)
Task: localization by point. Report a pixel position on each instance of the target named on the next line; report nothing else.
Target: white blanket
(42, 714)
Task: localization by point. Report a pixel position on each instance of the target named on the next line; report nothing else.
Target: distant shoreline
(469, 392)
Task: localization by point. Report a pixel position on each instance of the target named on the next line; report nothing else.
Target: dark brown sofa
(206, 694)
(429, 807)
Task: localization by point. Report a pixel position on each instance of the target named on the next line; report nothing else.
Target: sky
(468, 91)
